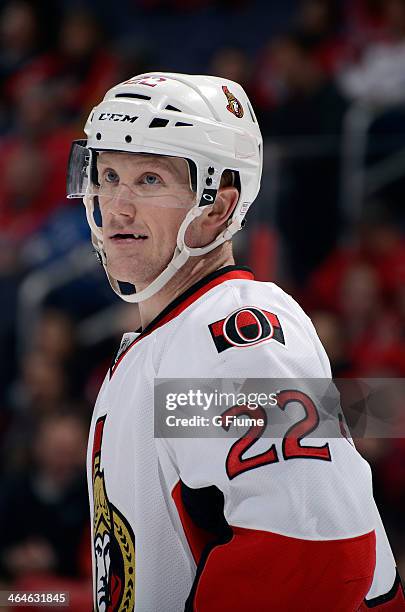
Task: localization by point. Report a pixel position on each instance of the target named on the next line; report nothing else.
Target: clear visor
(138, 178)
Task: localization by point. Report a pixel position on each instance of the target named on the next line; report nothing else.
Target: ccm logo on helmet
(246, 327)
(116, 117)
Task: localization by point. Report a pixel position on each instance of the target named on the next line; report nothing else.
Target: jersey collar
(183, 301)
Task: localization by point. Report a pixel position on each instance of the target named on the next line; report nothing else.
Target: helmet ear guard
(208, 121)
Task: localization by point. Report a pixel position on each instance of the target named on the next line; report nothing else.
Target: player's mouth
(128, 238)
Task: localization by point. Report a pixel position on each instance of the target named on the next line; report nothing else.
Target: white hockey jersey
(209, 521)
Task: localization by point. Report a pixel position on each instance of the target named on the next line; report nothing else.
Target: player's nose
(123, 202)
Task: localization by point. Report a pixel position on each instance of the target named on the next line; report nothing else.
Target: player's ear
(223, 207)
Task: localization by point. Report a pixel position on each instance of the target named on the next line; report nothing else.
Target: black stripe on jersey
(205, 507)
(382, 599)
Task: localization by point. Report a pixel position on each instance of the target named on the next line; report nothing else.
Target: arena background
(327, 79)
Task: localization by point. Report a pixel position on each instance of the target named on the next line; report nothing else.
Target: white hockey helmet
(207, 120)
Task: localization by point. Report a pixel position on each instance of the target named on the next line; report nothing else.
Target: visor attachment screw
(209, 181)
(128, 138)
(98, 136)
(211, 170)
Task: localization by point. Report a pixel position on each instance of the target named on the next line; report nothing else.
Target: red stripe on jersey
(197, 538)
(98, 436)
(185, 303)
(263, 571)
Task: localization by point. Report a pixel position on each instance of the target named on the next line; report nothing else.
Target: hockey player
(169, 169)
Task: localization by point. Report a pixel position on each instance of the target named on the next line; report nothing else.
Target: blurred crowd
(309, 67)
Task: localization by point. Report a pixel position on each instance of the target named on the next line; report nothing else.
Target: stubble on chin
(137, 271)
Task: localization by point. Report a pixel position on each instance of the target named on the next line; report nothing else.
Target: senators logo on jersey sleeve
(246, 327)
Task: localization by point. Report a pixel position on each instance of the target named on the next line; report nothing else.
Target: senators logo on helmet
(234, 106)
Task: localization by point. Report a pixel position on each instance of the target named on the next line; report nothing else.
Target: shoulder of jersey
(251, 314)
(238, 315)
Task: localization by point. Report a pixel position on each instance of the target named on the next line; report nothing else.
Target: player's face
(148, 198)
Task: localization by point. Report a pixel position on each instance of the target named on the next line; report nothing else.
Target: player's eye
(150, 179)
(110, 176)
